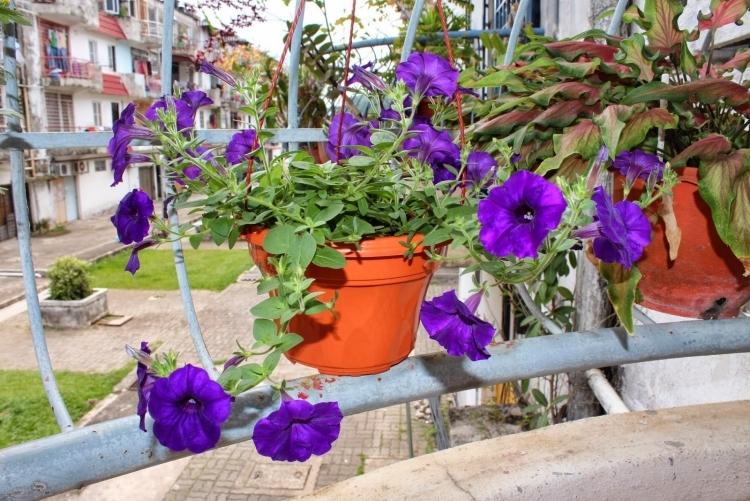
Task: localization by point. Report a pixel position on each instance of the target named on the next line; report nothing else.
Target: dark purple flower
(435, 148)
(210, 69)
(481, 168)
(468, 92)
(134, 263)
(234, 361)
(146, 382)
(515, 158)
(185, 113)
(389, 114)
(621, 230)
(193, 172)
(240, 145)
(196, 99)
(132, 215)
(454, 326)
(297, 430)
(517, 216)
(188, 409)
(638, 164)
(365, 77)
(353, 133)
(597, 169)
(124, 130)
(428, 74)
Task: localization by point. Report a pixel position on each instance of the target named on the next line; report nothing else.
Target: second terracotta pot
(375, 320)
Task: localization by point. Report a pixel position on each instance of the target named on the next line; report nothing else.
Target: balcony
(153, 86)
(66, 12)
(71, 74)
(135, 83)
(151, 33)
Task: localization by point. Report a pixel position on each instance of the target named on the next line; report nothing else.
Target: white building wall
(96, 195)
(83, 108)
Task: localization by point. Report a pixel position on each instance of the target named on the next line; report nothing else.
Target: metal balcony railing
(78, 457)
(67, 67)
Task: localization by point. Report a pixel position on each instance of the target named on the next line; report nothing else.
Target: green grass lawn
(207, 269)
(25, 413)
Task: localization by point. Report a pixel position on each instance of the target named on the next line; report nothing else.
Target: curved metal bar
(179, 257)
(515, 32)
(117, 447)
(614, 23)
(294, 60)
(548, 324)
(21, 208)
(411, 30)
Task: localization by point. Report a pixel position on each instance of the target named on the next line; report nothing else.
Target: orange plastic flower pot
(706, 278)
(374, 322)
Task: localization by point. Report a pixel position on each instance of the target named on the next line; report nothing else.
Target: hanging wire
(346, 78)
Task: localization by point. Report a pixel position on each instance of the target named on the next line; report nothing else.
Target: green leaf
(267, 284)
(638, 126)
(220, 229)
(264, 331)
(539, 397)
(383, 137)
(235, 380)
(582, 139)
(328, 213)
(302, 249)
(500, 78)
(271, 361)
(326, 257)
(279, 239)
(621, 289)
(270, 308)
(361, 161)
(611, 123)
(633, 55)
(288, 341)
(706, 91)
(663, 33)
(710, 147)
(436, 236)
(316, 308)
(723, 12)
(196, 240)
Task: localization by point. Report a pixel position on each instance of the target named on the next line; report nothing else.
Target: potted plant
(347, 247)
(71, 302)
(564, 100)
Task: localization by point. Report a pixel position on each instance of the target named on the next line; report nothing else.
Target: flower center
(190, 405)
(525, 214)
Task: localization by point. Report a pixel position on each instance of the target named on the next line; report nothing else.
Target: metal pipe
(23, 233)
(515, 31)
(614, 23)
(411, 33)
(97, 452)
(294, 61)
(194, 327)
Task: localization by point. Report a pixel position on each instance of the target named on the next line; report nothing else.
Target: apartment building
(80, 63)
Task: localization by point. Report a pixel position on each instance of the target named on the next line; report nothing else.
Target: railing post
(23, 225)
(411, 30)
(294, 62)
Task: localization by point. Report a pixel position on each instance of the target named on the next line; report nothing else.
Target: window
(97, 113)
(93, 52)
(115, 112)
(112, 6)
(59, 112)
(201, 120)
(112, 58)
(100, 165)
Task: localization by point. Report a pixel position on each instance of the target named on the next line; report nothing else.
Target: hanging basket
(374, 322)
(705, 281)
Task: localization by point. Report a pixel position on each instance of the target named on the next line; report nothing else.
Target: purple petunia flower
(132, 215)
(297, 430)
(435, 148)
(185, 113)
(210, 69)
(193, 172)
(146, 382)
(428, 74)
(517, 216)
(621, 230)
(481, 167)
(134, 263)
(188, 409)
(638, 164)
(240, 145)
(353, 133)
(124, 130)
(454, 326)
(196, 99)
(365, 77)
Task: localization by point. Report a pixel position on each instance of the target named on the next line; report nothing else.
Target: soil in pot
(375, 320)
(705, 281)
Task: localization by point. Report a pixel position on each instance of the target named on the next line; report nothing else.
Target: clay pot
(705, 281)
(374, 323)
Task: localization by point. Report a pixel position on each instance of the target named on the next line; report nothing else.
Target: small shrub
(69, 279)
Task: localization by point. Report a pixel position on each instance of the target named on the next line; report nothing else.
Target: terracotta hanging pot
(705, 281)
(378, 295)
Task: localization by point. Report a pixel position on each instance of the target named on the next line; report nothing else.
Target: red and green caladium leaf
(633, 54)
(499, 78)
(638, 126)
(723, 12)
(622, 285)
(706, 91)
(663, 33)
(708, 148)
(725, 186)
(567, 90)
(563, 113)
(506, 122)
(739, 62)
(583, 139)
(571, 49)
(611, 122)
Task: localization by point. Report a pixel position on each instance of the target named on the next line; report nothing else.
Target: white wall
(83, 109)
(574, 16)
(94, 192)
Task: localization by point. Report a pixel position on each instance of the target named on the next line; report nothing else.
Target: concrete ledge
(687, 453)
(74, 314)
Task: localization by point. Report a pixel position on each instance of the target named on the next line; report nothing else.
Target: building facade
(80, 63)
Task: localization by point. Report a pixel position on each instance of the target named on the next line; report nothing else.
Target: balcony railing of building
(68, 67)
(78, 457)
